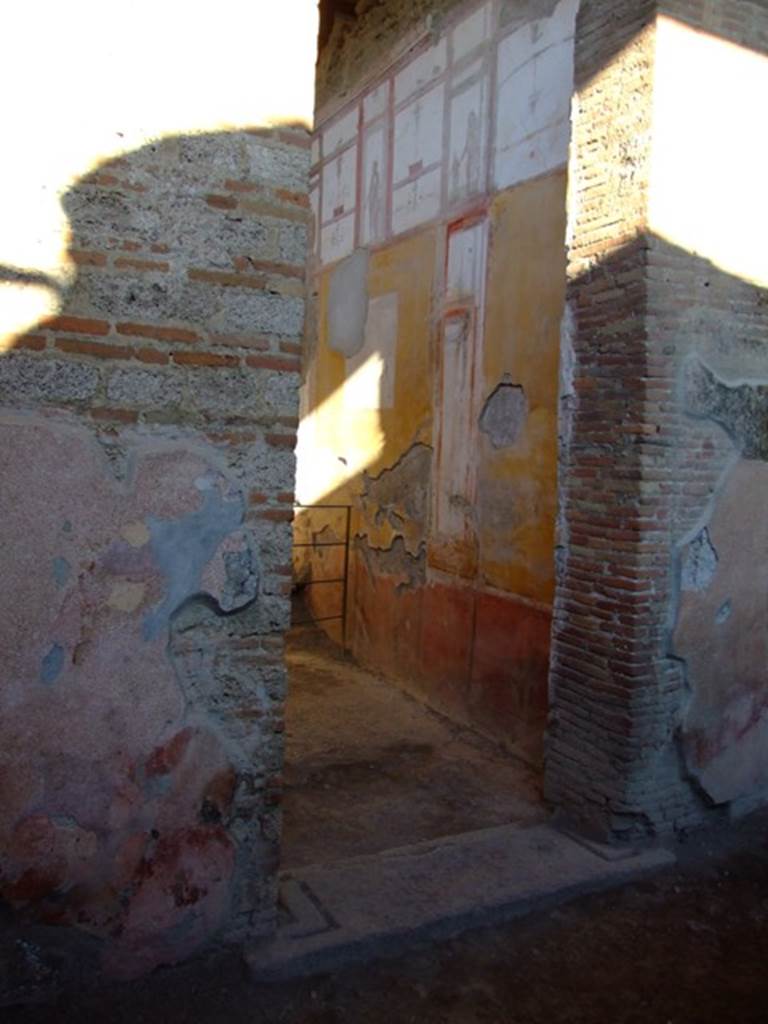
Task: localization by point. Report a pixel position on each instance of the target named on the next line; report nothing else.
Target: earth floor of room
(369, 768)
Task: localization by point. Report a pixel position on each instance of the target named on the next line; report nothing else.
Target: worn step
(365, 907)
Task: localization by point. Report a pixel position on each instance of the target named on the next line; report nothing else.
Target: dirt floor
(689, 946)
(368, 768)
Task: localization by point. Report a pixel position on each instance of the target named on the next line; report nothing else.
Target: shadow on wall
(147, 456)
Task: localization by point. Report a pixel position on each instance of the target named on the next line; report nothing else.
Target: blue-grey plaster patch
(183, 547)
(52, 664)
(242, 579)
(62, 570)
(699, 563)
(157, 786)
(65, 821)
(724, 612)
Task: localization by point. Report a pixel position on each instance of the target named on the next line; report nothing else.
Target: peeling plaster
(741, 409)
(724, 612)
(62, 570)
(396, 501)
(700, 563)
(720, 638)
(183, 548)
(348, 304)
(397, 561)
(52, 664)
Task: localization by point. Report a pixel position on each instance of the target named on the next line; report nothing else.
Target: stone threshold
(375, 906)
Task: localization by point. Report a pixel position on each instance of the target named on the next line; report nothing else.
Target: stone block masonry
(148, 471)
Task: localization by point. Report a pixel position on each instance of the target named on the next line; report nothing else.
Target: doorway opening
(368, 766)
(428, 439)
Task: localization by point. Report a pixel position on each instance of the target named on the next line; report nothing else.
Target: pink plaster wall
(113, 784)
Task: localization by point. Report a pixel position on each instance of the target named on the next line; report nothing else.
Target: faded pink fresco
(722, 634)
(104, 768)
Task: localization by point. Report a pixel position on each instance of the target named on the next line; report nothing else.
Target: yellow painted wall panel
(517, 484)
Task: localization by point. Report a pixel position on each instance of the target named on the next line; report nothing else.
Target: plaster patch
(742, 410)
(408, 570)
(699, 563)
(504, 415)
(62, 570)
(136, 534)
(52, 664)
(183, 547)
(467, 258)
(126, 596)
(341, 132)
(456, 466)
(397, 501)
(375, 103)
(724, 612)
(348, 304)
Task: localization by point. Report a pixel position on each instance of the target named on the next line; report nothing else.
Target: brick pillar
(659, 686)
(610, 766)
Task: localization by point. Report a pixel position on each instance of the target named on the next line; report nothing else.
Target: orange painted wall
(526, 294)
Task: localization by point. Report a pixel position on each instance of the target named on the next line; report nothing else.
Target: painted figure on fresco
(374, 202)
(469, 161)
(472, 150)
(338, 206)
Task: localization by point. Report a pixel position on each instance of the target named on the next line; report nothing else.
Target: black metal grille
(343, 579)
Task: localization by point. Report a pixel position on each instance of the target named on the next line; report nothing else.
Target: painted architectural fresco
(440, 430)
(453, 543)
(486, 103)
